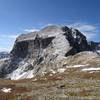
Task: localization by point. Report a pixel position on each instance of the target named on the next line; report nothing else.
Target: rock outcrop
(40, 52)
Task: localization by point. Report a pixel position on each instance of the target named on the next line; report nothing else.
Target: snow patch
(90, 69)
(6, 90)
(61, 70)
(43, 73)
(98, 51)
(74, 33)
(34, 79)
(75, 66)
(16, 75)
(20, 72)
(52, 71)
(50, 74)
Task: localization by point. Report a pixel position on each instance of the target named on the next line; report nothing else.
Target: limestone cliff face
(38, 52)
(61, 39)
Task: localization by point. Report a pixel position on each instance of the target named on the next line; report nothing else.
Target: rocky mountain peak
(42, 51)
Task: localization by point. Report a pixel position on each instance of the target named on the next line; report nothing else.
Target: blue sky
(21, 16)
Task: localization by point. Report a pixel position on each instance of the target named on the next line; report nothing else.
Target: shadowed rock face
(28, 48)
(77, 41)
(43, 50)
(20, 49)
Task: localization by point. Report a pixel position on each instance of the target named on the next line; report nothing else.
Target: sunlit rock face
(38, 52)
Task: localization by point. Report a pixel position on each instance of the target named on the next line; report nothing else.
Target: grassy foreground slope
(73, 84)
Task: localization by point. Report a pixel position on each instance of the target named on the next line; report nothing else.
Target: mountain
(4, 55)
(95, 46)
(49, 50)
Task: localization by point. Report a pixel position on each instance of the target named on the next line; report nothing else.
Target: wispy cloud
(7, 41)
(13, 36)
(31, 30)
(4, 49)
(87, 29)
(2, 36)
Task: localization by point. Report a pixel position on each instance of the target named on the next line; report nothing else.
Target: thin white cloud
(13, 36)
(7, 41)
(84, 26)
(2, 36)
(4, 49)
(90, 31)
(30, 30)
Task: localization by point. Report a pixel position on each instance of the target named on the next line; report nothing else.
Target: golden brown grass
(72, 83)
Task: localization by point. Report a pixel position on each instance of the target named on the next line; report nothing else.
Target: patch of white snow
(52, 71)
(61, 70)
(16, 75)
(90, 69)
(6, 90)
(75, 66)
(20, 72)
